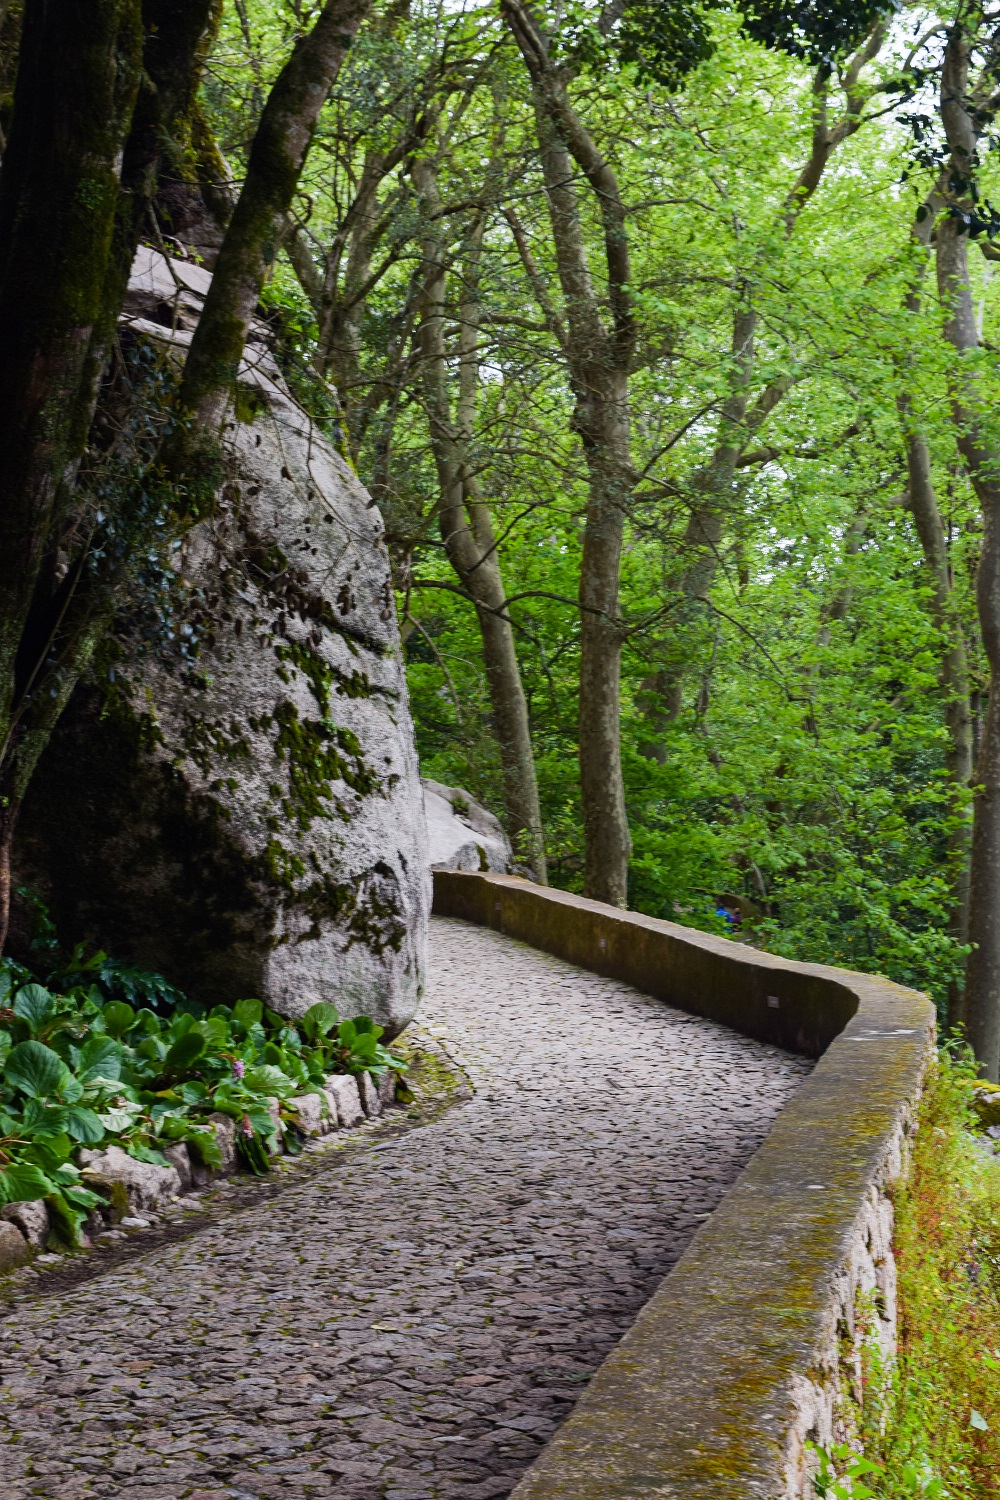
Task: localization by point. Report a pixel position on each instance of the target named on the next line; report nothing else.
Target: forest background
(785, 740)
(663, 335)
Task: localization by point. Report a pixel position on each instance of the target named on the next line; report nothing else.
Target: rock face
(461, 834)
(234, 799)
(31, 1218)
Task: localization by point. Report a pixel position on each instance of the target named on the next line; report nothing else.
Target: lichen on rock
(234, 798)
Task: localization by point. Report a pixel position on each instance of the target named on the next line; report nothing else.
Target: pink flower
(245, 1126)
(239, 1068)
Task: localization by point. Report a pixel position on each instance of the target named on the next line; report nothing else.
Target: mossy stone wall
(751, 1347)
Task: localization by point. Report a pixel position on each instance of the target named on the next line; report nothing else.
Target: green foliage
(820, 30)
(930, 1424)
(78, 1068)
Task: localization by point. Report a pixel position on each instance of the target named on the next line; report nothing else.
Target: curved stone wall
(751, 1346)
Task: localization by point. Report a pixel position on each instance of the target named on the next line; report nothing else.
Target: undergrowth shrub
(81, 1065)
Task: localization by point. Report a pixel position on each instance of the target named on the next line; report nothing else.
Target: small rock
(48, 1260)
(32, 1219)
(311, 1110)
(190, 1205)
(179, 1158)
(14, 1249)
(387, 1088)
(332, 1119)
(370, 1102)
(134, 1223)
(109, 1238)
(225, 1137)
(145, 1182)
(343, 1089)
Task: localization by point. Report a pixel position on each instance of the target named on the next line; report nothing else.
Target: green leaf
(319, 1020)
(34, 1005)
(37, 1071)
(202, 1144)
(51, 1154)
(100, 1057)
(118, 1017)
(260, 1119)
(119, 1117)
(247, 1013)
(179, 1025)
(266, 1079)
(41, 1121)
(83, 1125)
(184, 1053)
(23, 1183)
(192, 1091)
(214, 1031)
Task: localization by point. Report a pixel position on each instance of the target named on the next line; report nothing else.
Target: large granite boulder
(462, 834)
(234, 799)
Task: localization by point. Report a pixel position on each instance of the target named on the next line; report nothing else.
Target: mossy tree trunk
(77, 81)
(253, 240)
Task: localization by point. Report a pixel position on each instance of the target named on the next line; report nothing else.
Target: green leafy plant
(118, 1056)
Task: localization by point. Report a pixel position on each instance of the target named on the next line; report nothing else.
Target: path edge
(751, 1348)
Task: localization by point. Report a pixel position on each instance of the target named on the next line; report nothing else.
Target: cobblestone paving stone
(416, 1321)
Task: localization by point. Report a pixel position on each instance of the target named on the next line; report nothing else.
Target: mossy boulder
(233, 799)
(986, 1103)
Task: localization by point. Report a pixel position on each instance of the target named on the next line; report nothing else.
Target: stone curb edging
(133, 1189)
(752, 1344)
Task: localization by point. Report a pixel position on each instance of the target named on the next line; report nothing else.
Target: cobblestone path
(415, 1320)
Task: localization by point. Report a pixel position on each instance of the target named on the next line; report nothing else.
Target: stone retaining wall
(751, 1346)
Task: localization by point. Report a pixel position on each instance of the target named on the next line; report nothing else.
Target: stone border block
(751, 1345)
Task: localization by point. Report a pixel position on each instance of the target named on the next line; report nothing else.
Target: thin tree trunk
(467, 532)
(982, 992)
(599, 360)
(253, 240)
(953, 676)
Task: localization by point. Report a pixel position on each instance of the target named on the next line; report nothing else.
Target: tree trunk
(253, 240)
(470, 543)
(599, 358)
(953, 676)
(962, 121)
(76, 88)
(78, 77)
(953, 671)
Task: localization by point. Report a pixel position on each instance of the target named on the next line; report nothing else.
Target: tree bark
(962, 123)
(467, 531)
(599, 359)
(78, 77)
(253, 240)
